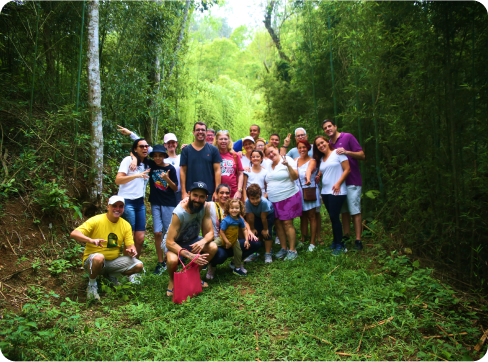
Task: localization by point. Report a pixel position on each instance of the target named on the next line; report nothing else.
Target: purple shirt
(350, 143)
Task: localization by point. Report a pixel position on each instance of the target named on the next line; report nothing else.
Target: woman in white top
(132, 187)
(260, 145)
(334, 169)
(248, 145)
(285, 196)
(171, 144)
(306, 165)
(256, 174)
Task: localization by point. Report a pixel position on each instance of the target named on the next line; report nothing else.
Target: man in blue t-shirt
(254, 132)
(200, 161)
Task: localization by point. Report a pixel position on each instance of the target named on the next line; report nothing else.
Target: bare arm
(240, 178)
(122, 177)
(171, 184)
(218, 178)
(80, 237)
(183, 170)
(250, 220)
(264, 220)
(224, 239)
(244, 182)
(336, 189)
(359, 155)
(308, 175)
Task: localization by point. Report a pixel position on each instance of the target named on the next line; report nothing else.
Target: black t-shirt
(160, 192)
(200, 165)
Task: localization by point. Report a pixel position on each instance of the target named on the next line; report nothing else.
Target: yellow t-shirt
(115, 234)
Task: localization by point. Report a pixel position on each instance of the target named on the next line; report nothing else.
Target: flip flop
(170, 291)
(203, 284)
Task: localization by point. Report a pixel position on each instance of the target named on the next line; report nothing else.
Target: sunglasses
(143, 146)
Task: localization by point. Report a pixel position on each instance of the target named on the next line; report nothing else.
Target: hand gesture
(318, 177)
(287, 140)
(97, 242)
(285, 161)
(265, 234)
(238, 195)
(228, 245)
(252, 237)
(307, 181)
(336, 189)
(246, 244)
(133, 164)
(124, 131)
(247, 169)
(201, 260)
(144, 174)
(197, 247)
(164, 176)
(184, 201)
(214, 197)
(131, 250)
(341, 151)
(183, 145)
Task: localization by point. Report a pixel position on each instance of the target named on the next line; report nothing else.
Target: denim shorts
(135, 214)
(162, 216)
(353, 201)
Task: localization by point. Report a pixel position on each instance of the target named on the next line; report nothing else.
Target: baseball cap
(169, 137)
(158, 148)
(116, 198)
(248, 138)
(199, 185)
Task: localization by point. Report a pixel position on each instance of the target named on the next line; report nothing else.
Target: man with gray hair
(300, 134)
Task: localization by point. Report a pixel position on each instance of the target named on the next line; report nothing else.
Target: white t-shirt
(256, 178)
(279, 183)
(266, 162)
(332, 172)
(214, 217)
(136, 188)
(246, 162)
(176, 164)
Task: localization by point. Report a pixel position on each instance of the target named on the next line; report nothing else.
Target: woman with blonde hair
(230, 166)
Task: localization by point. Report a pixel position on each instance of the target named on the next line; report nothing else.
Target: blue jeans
(135, 214)
(333, 204)
(222, 253)
(258, 224)
(162, 216)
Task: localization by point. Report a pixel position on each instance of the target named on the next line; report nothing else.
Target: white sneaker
(92, 292)
(211, 272)
(135, 278)
(242, 268)
(277, 241)
(268, 258)
(311, 247)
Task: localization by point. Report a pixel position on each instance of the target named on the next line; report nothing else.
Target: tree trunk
(153, 78)
(94, 104)
(180, 39)
(267, 24)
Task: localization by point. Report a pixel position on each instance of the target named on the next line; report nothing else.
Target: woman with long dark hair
(334, 169)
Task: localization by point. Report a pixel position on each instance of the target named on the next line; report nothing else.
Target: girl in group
(248, 145)
(229, 232)
(256, 174)
(285, 196)
(260, 145)
(306, 166)
(171, 144)
(334, 169)
(230, 166)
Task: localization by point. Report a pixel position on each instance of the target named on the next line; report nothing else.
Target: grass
(373, 305)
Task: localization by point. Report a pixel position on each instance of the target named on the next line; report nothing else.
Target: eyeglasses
(143, 146)
(300, 135)
(200, 130)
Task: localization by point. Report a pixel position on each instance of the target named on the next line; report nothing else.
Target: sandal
(169, 291)
(203, 284)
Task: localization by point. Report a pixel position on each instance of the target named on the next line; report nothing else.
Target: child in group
(229, 231)
(256, 174)
(163, 184)
(261, 216)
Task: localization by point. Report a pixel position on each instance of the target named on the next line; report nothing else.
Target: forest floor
(373, 305)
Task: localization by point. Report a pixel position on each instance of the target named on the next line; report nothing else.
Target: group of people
(220, 199)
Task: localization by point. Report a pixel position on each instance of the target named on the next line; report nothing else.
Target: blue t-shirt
(293, 153)
(230, 227)
(237, 145)
(200, 166)
(264, 206)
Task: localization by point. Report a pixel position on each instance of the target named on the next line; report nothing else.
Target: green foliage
(59, 266)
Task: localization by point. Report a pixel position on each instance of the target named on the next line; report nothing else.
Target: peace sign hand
(287, 140)
(144, 174)
(285, 161)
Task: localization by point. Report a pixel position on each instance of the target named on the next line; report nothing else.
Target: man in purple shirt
(346, 144)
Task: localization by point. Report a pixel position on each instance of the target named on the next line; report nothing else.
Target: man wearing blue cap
(183, 233)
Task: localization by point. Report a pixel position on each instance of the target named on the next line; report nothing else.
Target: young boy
(163, 184)
(260, 216)
(229, 232)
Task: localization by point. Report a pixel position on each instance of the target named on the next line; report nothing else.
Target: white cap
(115, 199)
(248, 138)
(169, 137)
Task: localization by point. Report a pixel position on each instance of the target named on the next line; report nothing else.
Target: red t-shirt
(229, 167)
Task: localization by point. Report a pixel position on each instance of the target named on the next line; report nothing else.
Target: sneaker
(92, 292)
(268, 258)
(205, 267)
(333, 246)
(239, 272)
(358, 245)
(114, 281)
(291, 255)
(311, 247)
(251, 258)
(281, 254)
(243, 269)
(231, 265)
(160, 268)
(277, 241)
(211, 272)
(339, 250)
(135, 278)
(300, 245)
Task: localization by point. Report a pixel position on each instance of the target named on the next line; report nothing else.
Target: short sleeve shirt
(136, 188)
(332, 172)
(175, 162)
(230, 227)
(280, 186)
(160, 192)
(115, 234)
(264, 206)
(350, 143)
(229, 168)
(237, 145)
(200, 165)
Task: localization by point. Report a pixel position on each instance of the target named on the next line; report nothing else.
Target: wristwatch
(240, 190)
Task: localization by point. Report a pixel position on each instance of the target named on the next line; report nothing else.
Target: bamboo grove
(408, 79)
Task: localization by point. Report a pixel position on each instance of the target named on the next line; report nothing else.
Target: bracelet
(284, 146)
(240, 190)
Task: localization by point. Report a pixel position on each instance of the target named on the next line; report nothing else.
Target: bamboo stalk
(78, 85)
(34, 70)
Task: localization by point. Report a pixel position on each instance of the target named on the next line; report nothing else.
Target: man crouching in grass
(104, 235)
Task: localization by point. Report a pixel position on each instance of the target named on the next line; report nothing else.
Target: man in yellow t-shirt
(104, 235)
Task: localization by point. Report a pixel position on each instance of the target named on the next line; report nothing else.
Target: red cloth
(229, 168)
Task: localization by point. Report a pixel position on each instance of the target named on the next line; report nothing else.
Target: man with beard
(183, 233)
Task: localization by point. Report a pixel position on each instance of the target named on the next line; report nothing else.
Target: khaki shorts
(115, 266)
(353, 201)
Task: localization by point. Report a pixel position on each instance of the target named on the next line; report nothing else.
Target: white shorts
(353, 201)
(115, 266)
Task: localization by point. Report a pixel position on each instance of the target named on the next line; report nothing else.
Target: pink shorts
(289, 208)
